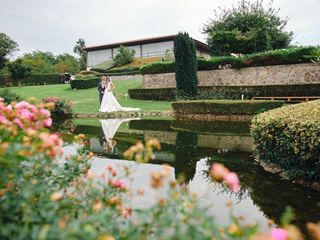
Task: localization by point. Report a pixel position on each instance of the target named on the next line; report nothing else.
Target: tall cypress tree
(186, 66)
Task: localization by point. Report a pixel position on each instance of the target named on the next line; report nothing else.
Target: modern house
(144, 48)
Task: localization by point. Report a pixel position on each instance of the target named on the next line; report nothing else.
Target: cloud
(56, 25)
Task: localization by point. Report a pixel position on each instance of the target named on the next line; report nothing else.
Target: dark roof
(199, 44)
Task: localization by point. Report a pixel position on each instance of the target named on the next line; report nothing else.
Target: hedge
(231, 92)
(118, 72)
(268, 58)
(84, 83)
(225, 107)
(289, 137)
(33, 79)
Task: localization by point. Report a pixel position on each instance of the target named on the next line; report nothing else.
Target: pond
(190, 147)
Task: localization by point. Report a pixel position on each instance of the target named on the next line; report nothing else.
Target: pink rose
(18, 122)
(279, 234)
(45, 113)
(47, 122)
(22, 104)
(26, 114)
(231, 179)
(218, 171)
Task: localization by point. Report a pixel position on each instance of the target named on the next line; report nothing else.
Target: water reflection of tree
(185, 155)
(271, 193)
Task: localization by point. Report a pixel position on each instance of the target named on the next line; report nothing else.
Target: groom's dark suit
(101, 91)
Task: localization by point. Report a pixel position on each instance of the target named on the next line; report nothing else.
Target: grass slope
(87, 100)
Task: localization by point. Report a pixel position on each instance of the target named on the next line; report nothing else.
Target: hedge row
(231, 92)
(118, 72)
(84, 83)
(225, 107)
(289, 137)
(33, 79)
(274, 57)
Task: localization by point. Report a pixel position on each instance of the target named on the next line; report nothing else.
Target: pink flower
(231, 179)
(26, 114)
(279, 234)
(47, 122)
(18, 122)
(218, 171)
(45, 113)
(3, 120)
(22, 104)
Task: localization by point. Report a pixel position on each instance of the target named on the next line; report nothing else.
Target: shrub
(289, 137)
(158, 67)
(9, 96)
(124, 56)
(33, 79)
(18, 70)
(225, 107)
(231, 92)
(186, 65)
(83, 82)
(62, 110)
(85, 72)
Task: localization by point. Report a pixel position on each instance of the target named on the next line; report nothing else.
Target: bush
(33, 79)
(62, 110)
(186, 66)
(9, 96)
(289, 137)
(275, 57)
(83, 82)
(124, 56)
(85, 72)
(162, 94)
(231, 92)
(158, 67)
(225, 107)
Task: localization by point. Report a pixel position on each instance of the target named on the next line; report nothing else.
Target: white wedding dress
(110, 104)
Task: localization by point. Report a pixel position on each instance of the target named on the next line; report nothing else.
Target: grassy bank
(87, 100)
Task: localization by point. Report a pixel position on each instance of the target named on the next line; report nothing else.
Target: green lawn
(87, 100)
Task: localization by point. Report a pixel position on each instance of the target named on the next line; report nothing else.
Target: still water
(190, 147)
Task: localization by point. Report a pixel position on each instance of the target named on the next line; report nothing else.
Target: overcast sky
(56, 25)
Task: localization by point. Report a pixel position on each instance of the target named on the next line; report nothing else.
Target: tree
(7, 46)
(79, 49)
(40, 62)
(18, 70)
(124, 56)
(247, 28)
(67, 63)
(186, 65)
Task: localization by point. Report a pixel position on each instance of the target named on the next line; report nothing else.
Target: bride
(109, 103)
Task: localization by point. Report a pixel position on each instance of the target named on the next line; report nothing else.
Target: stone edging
(212, 117)
(124, 114)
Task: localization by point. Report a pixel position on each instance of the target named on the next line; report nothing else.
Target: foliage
(66, 63)
(186, 66)
(225, 107)
(137, 63)
(230, 92)
(79, 49)
(247, 28)
(84, 81)
(124, 56)
(289, 137)
(158, 67)
(157, 94)
(105, 65)
(273, 57)
(18, 70)
(62, 109)
(33, 79)
(7, 46)
(9, 96)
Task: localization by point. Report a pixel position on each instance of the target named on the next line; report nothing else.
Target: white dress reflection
(109, 128)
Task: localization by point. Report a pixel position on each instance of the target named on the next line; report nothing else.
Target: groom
(101, 91)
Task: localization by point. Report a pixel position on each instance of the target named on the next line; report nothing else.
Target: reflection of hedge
(268, 58)
(33, 79)
(289, 137)
(85, 83)
(231, 92)
(154, 125)
(225, 107)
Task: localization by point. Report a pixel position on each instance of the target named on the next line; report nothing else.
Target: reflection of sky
(212, 196)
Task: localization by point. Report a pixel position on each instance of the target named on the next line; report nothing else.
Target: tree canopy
(7, 46)
(247, 28)
(79, 49)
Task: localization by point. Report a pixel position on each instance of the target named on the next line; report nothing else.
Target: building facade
(144, 48)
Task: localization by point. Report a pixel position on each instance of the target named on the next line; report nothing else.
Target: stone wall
(127, 77)
(268, 75)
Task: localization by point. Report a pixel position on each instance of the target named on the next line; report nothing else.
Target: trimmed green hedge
(289, 137)
(231, 92)
(158, 94)
(33, 79)
(84, 83)
(274, 57)
(119, 72)
(225, 107)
